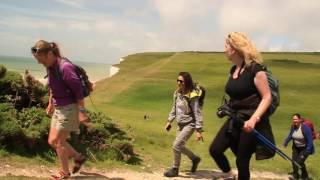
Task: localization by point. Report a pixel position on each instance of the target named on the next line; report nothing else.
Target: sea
(95, 71)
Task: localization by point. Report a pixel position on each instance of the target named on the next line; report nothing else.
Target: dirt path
(43, 172)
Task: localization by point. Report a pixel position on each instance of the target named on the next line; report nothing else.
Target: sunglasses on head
(180, 81)
(35, 50)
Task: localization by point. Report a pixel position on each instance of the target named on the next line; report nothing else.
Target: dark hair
(297, 114)
(44, 47)
(188, 82)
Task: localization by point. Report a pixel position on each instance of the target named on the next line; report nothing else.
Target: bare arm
(50, 107)
(261, 83)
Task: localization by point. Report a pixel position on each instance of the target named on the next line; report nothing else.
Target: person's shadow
(89, 176)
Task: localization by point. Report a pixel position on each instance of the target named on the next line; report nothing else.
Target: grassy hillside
(146, 82)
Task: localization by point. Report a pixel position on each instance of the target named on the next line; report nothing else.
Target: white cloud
(80, 26)
(19, 22)
(87, 32)
(73, 3)
(265, 19)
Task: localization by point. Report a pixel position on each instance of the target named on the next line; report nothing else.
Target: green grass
(146, 82)
(145, 85)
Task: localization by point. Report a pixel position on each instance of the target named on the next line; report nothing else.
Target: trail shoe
(293, 178)
(224, 176)
(61, 175)
(195, 163)
(172, 172)
(78, 163)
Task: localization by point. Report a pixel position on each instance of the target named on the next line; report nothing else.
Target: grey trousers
(183, 134)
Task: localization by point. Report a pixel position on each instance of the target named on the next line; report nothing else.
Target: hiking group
(253, 97)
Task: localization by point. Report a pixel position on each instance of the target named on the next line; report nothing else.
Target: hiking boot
(195, 163)
(224, 176)
(292, 177)
(172, 172)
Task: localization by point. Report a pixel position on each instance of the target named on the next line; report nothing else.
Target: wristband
(82, 109)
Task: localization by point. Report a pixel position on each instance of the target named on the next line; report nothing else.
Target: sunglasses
(35, 50)
(180, 81)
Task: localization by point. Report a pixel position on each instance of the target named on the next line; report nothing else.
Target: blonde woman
(66, 104)
(247, 80)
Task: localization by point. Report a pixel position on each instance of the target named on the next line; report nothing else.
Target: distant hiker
(67, 101)
(302, 146)
(146, 117)
(247, 86)
(187, 112)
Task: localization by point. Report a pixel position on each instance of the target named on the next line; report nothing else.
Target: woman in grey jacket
(187, 112)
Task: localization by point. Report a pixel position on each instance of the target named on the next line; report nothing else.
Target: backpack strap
(194, 93)
(60, 73)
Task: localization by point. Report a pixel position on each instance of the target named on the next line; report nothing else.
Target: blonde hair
(43, 47)
(245, 47)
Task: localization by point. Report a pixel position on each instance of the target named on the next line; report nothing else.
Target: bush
(35, 126)
(3, 70)
(24, 125)
(12, 88)
(8, 108)
(11, 82)
(21, 92)
(26, 133)
(36, 91)
(105, 139)
(10, 131)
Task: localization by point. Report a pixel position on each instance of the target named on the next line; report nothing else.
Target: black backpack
(87, 86)
(203, 94)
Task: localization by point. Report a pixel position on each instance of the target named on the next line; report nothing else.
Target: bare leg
(62, 149)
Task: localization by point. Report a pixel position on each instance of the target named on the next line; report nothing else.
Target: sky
(106, 30)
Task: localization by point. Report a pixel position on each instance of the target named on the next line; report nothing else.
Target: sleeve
(288, 139)
(197, 113)
(172, 114)
(72, 80)
(309, 139)
(258, 67)
(232, 69)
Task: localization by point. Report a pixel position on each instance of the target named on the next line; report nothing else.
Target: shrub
(10, 131)
(36, 91)
(105, 139)
(8, 108)
(3, 70)
(35, 126)
(11, 82)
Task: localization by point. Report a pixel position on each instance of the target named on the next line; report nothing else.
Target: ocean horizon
(95, 71)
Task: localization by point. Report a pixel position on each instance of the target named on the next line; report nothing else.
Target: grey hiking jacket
(181, 110)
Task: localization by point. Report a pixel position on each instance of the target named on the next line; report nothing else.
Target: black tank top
(243, 86)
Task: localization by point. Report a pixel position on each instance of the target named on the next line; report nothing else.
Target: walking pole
(269, 144)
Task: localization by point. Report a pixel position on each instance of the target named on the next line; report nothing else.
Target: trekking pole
(93, 105)
(269, 144)
(92, 155)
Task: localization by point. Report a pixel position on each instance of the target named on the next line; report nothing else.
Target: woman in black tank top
(247, 79)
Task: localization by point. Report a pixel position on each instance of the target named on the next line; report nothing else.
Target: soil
(10, 171)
